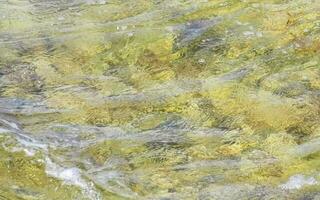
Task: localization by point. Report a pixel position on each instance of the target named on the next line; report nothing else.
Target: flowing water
(159, 99)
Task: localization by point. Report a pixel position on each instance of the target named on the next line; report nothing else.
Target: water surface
(159, 99)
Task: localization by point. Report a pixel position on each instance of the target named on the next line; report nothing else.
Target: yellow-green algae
(202, 97)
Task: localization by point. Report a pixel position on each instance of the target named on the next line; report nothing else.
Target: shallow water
(159, 99)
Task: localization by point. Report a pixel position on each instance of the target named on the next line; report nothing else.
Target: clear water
(159, 99)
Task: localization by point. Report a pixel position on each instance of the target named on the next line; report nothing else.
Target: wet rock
(291, 90)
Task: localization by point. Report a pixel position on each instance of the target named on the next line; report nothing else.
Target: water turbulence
(159, 99)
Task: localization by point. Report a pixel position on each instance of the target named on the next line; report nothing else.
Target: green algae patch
(100, 153)
(24, 177)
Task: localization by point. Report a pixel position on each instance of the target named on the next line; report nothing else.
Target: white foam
(28, 152)
(298, 181)
(2, 130)
(11, 124)
(248, 33)
(71, 176)
(96, 2)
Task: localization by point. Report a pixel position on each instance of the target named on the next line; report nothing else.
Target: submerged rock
(21, 75)
(193, 30)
